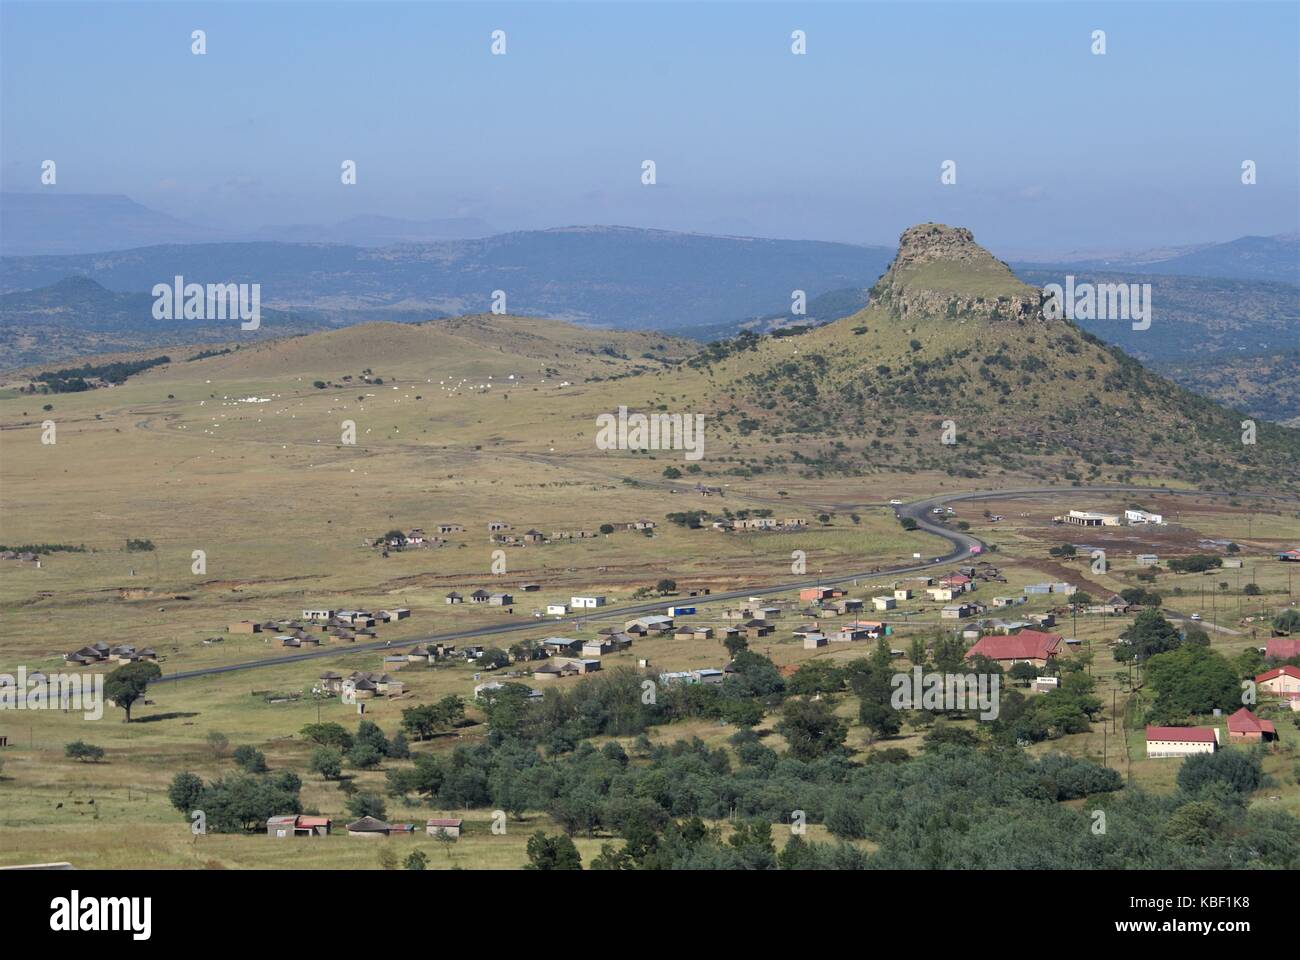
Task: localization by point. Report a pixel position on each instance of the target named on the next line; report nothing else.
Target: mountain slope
(952, 335)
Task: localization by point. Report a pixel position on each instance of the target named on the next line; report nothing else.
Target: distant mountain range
(37, 224)
(601, 276)
(1246, 258)
(77, 317)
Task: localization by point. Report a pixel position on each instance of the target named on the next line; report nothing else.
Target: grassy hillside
(1265, 385)
(952, 335)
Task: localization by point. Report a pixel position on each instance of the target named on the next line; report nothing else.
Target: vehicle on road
(896, 502)
(1196, 616)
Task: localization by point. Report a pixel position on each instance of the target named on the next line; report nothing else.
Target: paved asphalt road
(920, 511)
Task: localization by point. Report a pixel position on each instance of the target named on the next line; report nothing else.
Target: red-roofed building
(958, 581)
(1282, 648)
(1027, 646)
(1180, 741)
(1244, 725)
(1283, 681)
(298, 826)
(1291, 555)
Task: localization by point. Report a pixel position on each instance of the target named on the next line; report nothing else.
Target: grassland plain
(478, 420)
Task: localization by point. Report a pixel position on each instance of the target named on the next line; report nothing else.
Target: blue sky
(1056, 149)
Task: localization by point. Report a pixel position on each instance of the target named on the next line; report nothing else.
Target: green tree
(184, 792)
(327, 761)
(249, 758)
(416, 860)
(128, 683)
(811, 728)
(367, 805)
(1149, 635)
(552, 853)
(1236, 769)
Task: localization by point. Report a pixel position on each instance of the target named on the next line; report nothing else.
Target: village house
(1008, 601)
(902, 593)
(1027, 646)
(884, 603)
(688, 632)
(318, 615)
(480, 596)
(500, 600)
(1283, 681)
(1139, 517)
(556, 609)
(1146, 559)
(958, 581)
(657, 623)
(641, 525)
(813, 640)
(958, 611)
(597, 648)
(1180, 741)
(1290, 556)
(847, 605)
(244, 626)
(534, 536)
(449, 827)
(368, 828)
(298, 825)
(942, 594)
(496, 526)
(815, 594)
(454, 597)
(1115, 605)
(558, 645)
(331, 682)
(565, 667)
(1244, 726)
(586, 603)
(849, 633)
(753, 629)
(446, 528)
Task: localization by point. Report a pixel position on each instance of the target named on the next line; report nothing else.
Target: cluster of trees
(953, 807)
(240, 802)
(77, 379)
(363, 750)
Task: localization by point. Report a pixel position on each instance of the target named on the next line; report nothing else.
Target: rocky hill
(954, 347)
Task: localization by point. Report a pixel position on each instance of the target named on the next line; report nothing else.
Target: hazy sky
(1056, 148)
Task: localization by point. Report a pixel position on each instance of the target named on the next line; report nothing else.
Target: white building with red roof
(1283, 681)
(1181, 741)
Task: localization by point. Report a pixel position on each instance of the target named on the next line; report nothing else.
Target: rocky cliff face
(940, 271)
